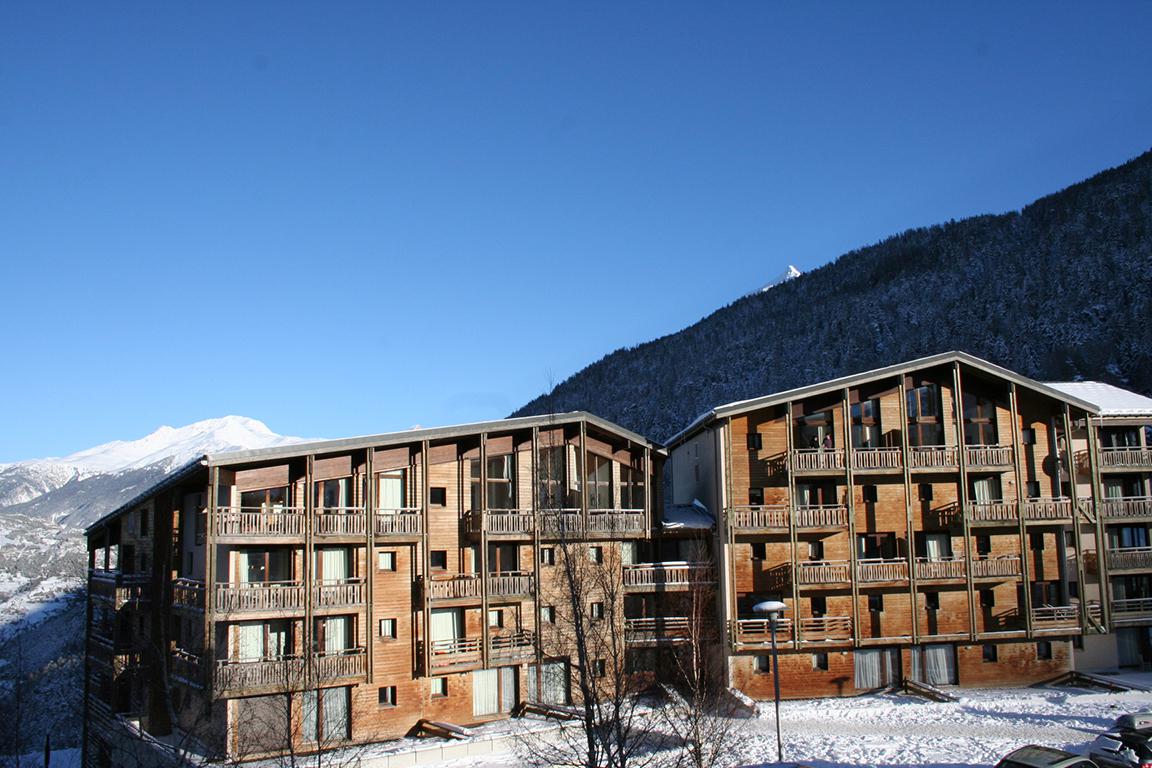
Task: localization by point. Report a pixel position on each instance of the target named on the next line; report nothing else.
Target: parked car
(1137, 721)
(1122, 749)
(1034, 756)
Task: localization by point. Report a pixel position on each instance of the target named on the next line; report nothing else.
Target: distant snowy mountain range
(789, 274)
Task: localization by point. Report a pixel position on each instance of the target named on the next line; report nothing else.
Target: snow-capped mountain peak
(789, 274)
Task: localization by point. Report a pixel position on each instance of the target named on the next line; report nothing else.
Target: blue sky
(351, 218)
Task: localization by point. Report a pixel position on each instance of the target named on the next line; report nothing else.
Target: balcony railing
(350, 662)
(338, 593)
(951, 567)
(1131, 609)
(877, 458)
(1130, 558)
(340, 521)
(1047, 508)
(513, 645)
(510, 583)
(502, 522)
(1049, 617)
(811, 572)
(822, 516)
(188, 594)
(882, 569)
(453, 651)
(616, 521)
(118, 588)
(932, 456)
(406, 521)
(994, 567)
(1130, 506)
(187, 667)
(667, 574)
(826, 629)
(647, 629)
(758, 517)
(817, 460)
(561, 522)
(1125, 458)
(992, 512)
(757, 631)
(256, 521)
(462, 587)
(283, 673)
(260, 596)
(988, 455)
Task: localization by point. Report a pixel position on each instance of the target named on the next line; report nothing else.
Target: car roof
(1041, 757)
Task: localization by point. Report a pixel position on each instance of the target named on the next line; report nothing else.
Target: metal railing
(259, 596)
(257, 521)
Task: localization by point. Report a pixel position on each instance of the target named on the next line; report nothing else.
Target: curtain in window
(507, 688)
(485, 692)
(278, 638)
(940, 664)
(1128, 646)
(628, 552)
(337, 629)
(390, 491)
(554, 677)
(244, 563)
(985, 490)
(876, 668)
(309, 715)
(334, 564)
(250, 641)
(335, 712)
(937, 546)
(447, 624)
(1113, 489)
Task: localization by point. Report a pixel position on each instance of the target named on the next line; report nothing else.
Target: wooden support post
(962, 465)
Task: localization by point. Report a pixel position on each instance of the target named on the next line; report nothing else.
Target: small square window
(932, 601)
(439, 687)
(763, 664)
(596, 554)
(438, 496)
(597, 610)
(386, 696)
(1044, 650)
(548, 614)
(1028, 436)
(870, 494)
(547, 556)
(987, 598)
(755, 441)
(876, 603)
(925, 491)
(759, 550)
(496, 618)
(388, 628)
(438, 559)
(820, 661)
(989, 652)
(386, 560)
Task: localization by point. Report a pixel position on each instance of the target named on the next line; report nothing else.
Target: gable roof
(1109, 400)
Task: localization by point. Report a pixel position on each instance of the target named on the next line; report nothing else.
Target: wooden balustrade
(255, 521)
(188, 594)
(817, 460)
(756, 631)
(502, 522)
(877, 458)
(453, 587)
(951, 567)
(1056, 616)
(992, 512)
(260, 596)
(282, 673)
(988, 455)
(1047, 509)
(992, 567)
(350, 662)
(340, 521)
(338, 593)
(1126, 458)
(187, 667)
(822, 516)
(556, 523)
(649, 627)
(933, 457)
(399, 522)
(826, 628)
(882, 569)
(454, 651)
(810, 572)
(1131, 609)
(616, 521)
(1130, 506)
(758, 517)
(510, 583)
(513, 645)
(1130, 558)
(678, 574)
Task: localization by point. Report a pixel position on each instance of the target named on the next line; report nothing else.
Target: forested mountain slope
(1057, 291)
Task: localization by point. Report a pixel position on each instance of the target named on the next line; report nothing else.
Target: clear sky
(345, 218)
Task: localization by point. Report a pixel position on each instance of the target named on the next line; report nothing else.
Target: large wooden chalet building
(944, 519)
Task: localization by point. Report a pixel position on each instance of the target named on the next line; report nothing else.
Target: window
(1028, 436)
(932, 601)
(1036, 540)
(547, 556)
(815, 550)
(326, 714)
(925, 493)
(934, 545)
(554, 488)
(983, 544)
(759, 550)
(820, 661)
(388, 628)
(819, 606)
(265, 500)
(866, 424)
(548, 614)
(438, 558)
(599, 471)
(439, 687)
(390, 490)
(1032, 489)
(814, 430)
(501, 482)
(989, 652)
(631, 488)
(386, 696)
(763, 664)
(869, 493)
(1044, 650)
(145, 514)
(756, 496)
(873, 546)
(876, 603)
(438, 496)
(755, 441)
(600, 668)
(1069, 539)
(979, 420)
(987, 598)
(496, 618)
(335, 495)
(596, 610)
(924, 416)
(386, 560)
(596, 554)
(1074, 590)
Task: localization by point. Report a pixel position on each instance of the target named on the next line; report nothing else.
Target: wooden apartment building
(317, 595)
(940, 520)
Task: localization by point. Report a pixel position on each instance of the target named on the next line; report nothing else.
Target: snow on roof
(1112, 401)
(688, 516)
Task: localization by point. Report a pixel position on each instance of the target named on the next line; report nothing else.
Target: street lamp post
(773, 608)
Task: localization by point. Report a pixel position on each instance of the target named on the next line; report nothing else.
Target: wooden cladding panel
(444, 522)
(332, 467)
(950, 618)
(442, 454)
(264, 477)
(392, 458)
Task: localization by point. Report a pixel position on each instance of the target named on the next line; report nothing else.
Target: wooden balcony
(759, 631)
(455, 652)
(1042, 509)
(988, 455)
(616, 523)
(256, 522)
(826, 629)
(933, 457)
(657, 629)
(992, 512)
(119, 589)
(462, 587)
(1126, 458)
(1004, 566)
(234, 676)
(338, 593)
(877, 458)
(817, 460)
(186, 667)
(398, 523)
(340, 521)
(510, 584)
(940, 568)
(1136, 610)
(1130, 559)
(333, 665)
(269, 596)
(822, 516)
(514, 646)
(667, 575)
(882, 569)
(1056, 618)
(1126, 507)
(561, 523)
(188, 594)
(756, 518)
(502, 523)
(823, 572)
